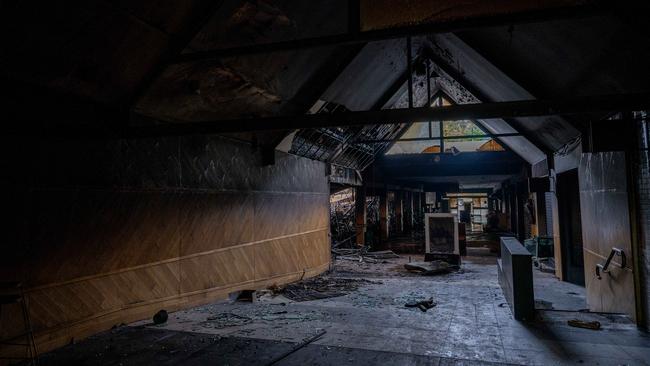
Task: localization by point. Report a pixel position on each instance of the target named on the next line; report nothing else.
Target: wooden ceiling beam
(510, 109)
(507, 14)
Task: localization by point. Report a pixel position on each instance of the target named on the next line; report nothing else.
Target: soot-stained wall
(108, 232)
(642, 169)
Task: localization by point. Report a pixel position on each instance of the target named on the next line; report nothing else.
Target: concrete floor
(551, 293)
(471, 325)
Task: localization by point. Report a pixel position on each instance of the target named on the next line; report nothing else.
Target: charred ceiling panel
(338, 145)
(209, 90)
(380, 14)
(99, 50)
(369, 75)
(239, 23)
(420, 96)
(376, 78)
(586, 56)
(378, 68)
(248, 86)
(554, 131)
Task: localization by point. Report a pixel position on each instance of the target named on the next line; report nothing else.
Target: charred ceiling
(121, 64)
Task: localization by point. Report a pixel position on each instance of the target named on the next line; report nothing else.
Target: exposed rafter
(491, 135)
(522, 108)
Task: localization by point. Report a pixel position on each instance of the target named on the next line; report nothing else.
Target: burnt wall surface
(605, 219)
(108, 232)
(642, 169)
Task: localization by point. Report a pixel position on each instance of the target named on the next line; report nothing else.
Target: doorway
(568, 194)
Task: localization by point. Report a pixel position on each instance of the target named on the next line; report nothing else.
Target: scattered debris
(593, 325)
(450, 258)
(363, 255)
(160, 317)
(342, 218)
(249, 315)
(384, 254)
(322, 287)
(297, 347)
(225, 320)
(429, 268)
(357, 259)
(270, 296)
(423, 305)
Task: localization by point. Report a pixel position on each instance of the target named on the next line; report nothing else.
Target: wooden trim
(171, 260)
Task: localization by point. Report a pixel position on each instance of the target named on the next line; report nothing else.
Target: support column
(512, 202)
(555, 227)
(408, 215)
(424, 202)
(383, 214)
(540, 205)
(399, 211)
(360, 210)
(522, 199)
(415, 196)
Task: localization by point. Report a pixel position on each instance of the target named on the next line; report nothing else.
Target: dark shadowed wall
(109, 232)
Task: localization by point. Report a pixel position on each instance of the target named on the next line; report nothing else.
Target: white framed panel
(441, 233)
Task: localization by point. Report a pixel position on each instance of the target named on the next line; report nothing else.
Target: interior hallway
(470, 325)
(162, 157)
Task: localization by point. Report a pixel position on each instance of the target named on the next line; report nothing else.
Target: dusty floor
(470, 325)
(557, 295)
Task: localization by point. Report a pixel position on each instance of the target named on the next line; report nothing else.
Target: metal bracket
(605, 268)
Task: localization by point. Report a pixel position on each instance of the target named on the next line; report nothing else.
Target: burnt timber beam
(490, 135)
(533, 14)
(511, 109)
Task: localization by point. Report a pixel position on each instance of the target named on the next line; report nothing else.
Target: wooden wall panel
(193, 244)
(218, 269)
(215, 220)
(62, 304)
(291, 254)
(162, 226)
(283, 214)
(94, 230)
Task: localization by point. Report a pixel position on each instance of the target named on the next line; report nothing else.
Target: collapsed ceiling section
(371, 81)
(378, 78)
